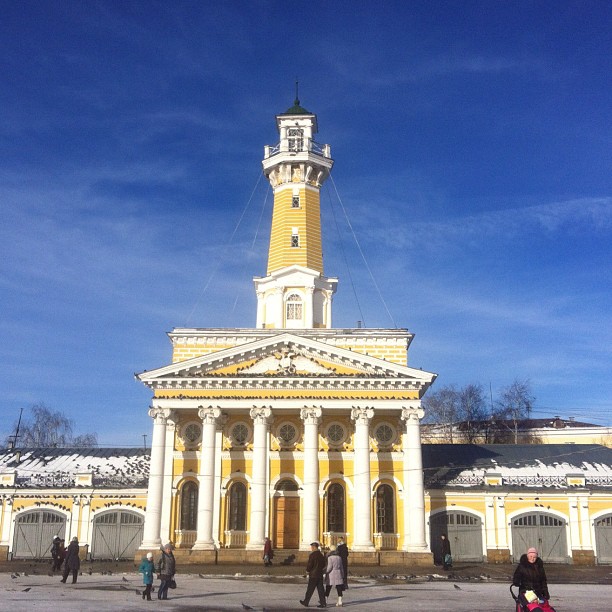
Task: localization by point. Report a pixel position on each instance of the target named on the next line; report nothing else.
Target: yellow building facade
(293, 429)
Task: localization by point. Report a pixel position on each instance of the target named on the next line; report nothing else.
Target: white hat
(149, 555)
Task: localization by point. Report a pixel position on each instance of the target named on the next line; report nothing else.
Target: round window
(336, 433)
(384, 434)
(191, 433)
(287, 433)
(240, 433)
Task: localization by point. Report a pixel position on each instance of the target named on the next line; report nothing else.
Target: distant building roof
(522, 465)
(59, 467)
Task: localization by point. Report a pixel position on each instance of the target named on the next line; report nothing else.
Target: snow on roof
(59, 467)
(526, 465)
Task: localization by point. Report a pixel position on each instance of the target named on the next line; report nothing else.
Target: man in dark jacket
(72, 562)
(530, 575)
(315, 568)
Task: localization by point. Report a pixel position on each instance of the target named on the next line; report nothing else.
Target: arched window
(335, 508)
(294, 307)
(286, 485)
(295, 139)
(189, 506)
(237, 507)
(385, 511)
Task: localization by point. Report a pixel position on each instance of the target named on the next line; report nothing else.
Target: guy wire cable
(362, 254)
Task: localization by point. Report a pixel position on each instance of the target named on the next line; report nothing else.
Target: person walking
(72, 562)
(57, 553)
(268, 552)
(166, 568)
(530, 576)
(343, 552)
(447, 559)
(146, 569)
(315, 567)
(334, 575)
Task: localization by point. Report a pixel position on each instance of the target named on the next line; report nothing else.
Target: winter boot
(339, 602)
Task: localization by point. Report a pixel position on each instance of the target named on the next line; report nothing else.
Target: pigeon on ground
(26, 590)
(124, 579)
(457, 587)
(245, 607)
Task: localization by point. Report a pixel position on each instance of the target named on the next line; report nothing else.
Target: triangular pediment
(286, 355)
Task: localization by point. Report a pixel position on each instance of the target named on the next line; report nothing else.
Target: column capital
(209, 415)
(412, 415)
(362, 415)
(263, 416)
(311, 416)
(161, 415)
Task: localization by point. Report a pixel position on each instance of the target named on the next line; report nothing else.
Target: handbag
(172, 584)
(448, 560)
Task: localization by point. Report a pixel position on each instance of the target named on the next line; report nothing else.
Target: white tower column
(362, 503)
(152, 525)
(259, 482)
(206, 476)
(414, 490)
(310, 518)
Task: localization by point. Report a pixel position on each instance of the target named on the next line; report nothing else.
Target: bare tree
(48, 428)
(473, 413)
(442, 407)
(514, 405)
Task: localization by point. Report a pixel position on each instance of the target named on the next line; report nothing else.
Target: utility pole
(13, 442)
(144, 436)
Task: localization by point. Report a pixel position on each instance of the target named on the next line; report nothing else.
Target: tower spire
(295, 293)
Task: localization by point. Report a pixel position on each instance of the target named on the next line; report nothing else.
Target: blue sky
(472, 158)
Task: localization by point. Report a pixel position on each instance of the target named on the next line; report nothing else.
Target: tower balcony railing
(309, 146)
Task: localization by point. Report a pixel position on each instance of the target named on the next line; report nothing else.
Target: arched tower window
(189, 506)
(294, 307)
(385, 511)
(237, 507)
(335, 508)
(295, 138)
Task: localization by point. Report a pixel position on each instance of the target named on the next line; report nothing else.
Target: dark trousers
(57, 564)
(339, 589)
(67, 571)
(315, 582)
(162, 592)
(147, 592)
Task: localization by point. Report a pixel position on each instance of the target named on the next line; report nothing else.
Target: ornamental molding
(239, 364)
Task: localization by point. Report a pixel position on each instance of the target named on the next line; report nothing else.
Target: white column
(574, 524)
(7, 520)
(168, 490)
(502, 522)
(309, 306)
(362, 503)
(206, 477)
(221, 421)
(490, 528)
(585, 522)
(310, 516)
(259, 478)
(414, 490)
(260, 310)
(151, 531)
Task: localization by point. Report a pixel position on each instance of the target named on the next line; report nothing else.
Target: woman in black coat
(447, 560)
(72, 562)
(530, 575)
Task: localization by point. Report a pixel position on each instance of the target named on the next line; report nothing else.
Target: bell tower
(295, 293)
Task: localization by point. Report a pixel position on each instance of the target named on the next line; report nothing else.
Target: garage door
(34, 532)
(116, 535)
(464, 532)
(544, 531)
(603, 539)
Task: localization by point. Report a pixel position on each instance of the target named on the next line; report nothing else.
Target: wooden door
(287, 522)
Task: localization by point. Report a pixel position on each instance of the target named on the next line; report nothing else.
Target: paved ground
(212, 592)
(27, 586)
